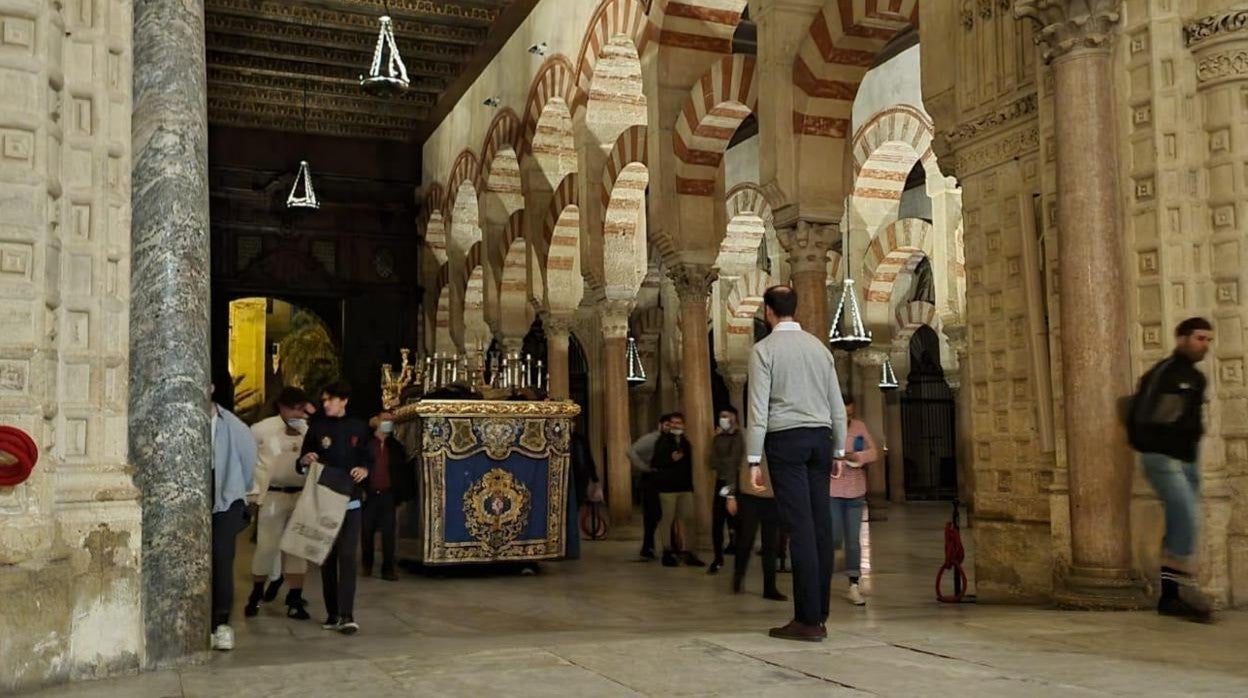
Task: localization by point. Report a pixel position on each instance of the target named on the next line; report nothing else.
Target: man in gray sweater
(797, 416)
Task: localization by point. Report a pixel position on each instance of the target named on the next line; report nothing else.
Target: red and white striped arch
(911, 316)
(442, 341)
(564, 285)
(435, 236)
(899, 247)
(902, 124)
(515, 310)
(499, 178)
(749, 215)
(697, 25)
(465, 169)
(611, 19)
(718, 103)
(840, 46)
(554, 80)
(630, 147)
(434, 200)
(746, 296)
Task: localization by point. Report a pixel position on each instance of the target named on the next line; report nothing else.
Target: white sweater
(793, 384)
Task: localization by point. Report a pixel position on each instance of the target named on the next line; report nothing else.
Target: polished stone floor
(609, 625)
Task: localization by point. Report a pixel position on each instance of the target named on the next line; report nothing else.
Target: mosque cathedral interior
(1017, 200)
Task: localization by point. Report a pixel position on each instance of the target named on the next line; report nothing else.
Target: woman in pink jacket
(849, 492)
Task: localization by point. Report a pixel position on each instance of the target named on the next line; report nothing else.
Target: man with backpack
(1165, 426)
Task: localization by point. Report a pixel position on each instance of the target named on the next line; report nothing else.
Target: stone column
(558, 330)
(1077, 37)
(735, 376)
(807, 245)
(646, 412)
(964, 448)
(169, 318)
(870, 402)
(893, 432)
(693, 285)
(614, 316)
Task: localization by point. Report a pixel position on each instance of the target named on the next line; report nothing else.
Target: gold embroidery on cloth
(496, 509)
(534, 437)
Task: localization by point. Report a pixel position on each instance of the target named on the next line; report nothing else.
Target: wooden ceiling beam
(226, 113)
(297, 71)
(335, 87)
(303, 15)
(353, 60)
(453, 52)
(317, 101)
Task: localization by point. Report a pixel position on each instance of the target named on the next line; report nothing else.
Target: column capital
(557, 323)
(614, 314)
(693, 281)
(869, 357)
(1064, 26)
(807, 244)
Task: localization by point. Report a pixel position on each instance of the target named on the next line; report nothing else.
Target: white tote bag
(314, 525)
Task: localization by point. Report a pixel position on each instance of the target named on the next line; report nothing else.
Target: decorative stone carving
(998, 151)
(693, 281)
(1206, 28)
(1019, 109)
(1219, 67)
(614, 316)
(1069, 25)
(807, 244)
(557, 324)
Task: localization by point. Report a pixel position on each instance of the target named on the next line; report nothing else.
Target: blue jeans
(1178, 486)
(847, 531)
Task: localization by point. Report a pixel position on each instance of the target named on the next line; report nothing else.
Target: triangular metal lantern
(848, 333)
(888, 379)
(302, 193)
(636, 372)
(387, 75)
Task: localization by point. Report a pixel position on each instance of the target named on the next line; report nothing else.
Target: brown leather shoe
(797, 631)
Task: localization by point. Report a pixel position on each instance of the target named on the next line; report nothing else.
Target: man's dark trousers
(800, 464)
(226, 525)
(379, 516)
(652, 511)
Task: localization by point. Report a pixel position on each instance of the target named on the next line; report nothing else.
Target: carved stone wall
(69, 536)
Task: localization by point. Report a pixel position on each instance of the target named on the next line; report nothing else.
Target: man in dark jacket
(1165, 426)
(385, 489)
(340, 444)
(727, 455)
(672, 476)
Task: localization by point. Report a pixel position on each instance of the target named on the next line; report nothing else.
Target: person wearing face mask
(641, 454)
(276, 490)
(727, 453)
(382, 496)
(673, 478)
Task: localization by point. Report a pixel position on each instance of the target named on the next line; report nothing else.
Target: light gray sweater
(793, 385)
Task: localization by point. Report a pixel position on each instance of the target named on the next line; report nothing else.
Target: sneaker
(253, 601)
(331, 623)
(297, 609)
(348, 626)
(854, 596)
(669, 560)
(1181, 608)
(774, 595)
(223, 638)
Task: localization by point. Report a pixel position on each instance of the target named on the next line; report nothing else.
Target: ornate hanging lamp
(636, 372)
(888, 379)
(302, 194)
(387, 75)
(848, 333)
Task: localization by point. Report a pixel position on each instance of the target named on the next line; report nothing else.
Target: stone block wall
(69, 536)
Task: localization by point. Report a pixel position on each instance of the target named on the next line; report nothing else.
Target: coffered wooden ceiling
(262, 54)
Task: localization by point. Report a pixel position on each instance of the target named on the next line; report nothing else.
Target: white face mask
(676, 432)
(297, 423)
(725, 423)
(387, 427)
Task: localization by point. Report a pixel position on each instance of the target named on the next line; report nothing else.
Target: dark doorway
(928, 428)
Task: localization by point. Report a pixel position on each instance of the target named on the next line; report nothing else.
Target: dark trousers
(652, 511)
(338, 570)
(753, 512)
(800, 463)
(226, 526)
(379, 516)
(719, 520)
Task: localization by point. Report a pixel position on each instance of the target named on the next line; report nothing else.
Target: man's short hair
(292, 397)
(730, 410)
(665, 418)
(1192, 324)
(676, 415)
(847, 399)
(339, 389)
(782, 300)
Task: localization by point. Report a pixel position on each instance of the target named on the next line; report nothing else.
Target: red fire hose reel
(18, 455)
(955, 554)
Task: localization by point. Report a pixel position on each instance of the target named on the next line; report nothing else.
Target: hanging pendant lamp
(302, 193)
(636, 372)
(387, 76)
(848, 333)
(888, 379)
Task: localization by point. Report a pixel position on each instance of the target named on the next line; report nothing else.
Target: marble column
(558, 329)
(1077, 37)
(693, 285)
(614, 317)
(807, 244)
(169, 325)
(870, 403)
